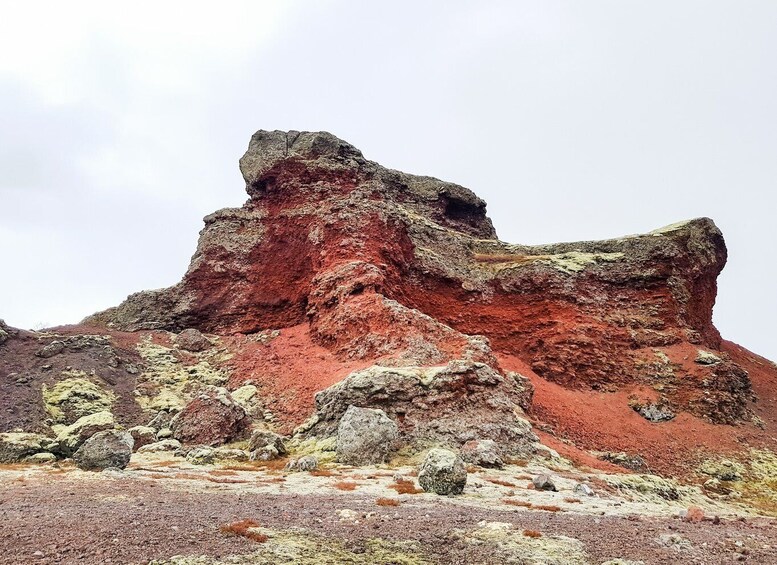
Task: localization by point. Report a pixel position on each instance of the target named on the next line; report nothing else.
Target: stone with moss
(75, 397)
(17, 446)
(723, 469)
(70, 438)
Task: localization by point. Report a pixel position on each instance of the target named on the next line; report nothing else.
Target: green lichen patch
(323, 449)
(511, 545)
(304, 548)
(166, 383)
(575, 261)
(649, 488)
(75, 397)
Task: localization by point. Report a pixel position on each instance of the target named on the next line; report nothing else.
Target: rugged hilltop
(352, 317)
(337, 265)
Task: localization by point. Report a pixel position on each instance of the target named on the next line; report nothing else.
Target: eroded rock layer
(354, 284)
(382, 263)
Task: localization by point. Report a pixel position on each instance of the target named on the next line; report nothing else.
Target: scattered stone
(164, 433)
(306, 463)
(70, 438)
(161, 446)
(41, 458)
(213, 418)
(692, 514)
(50, 350)
(202, 455)
(247, 396)
(161, 420)
(655, 412)
(143, 435)
(707, 358)
(365, 436)
(633, 462)
(192, 340)
(442, 472)
(16, 446)
(230, 454)
(544, 482)
(482, 452)
(583, 489)
(104, 450)
(75, 397)
(266, 445)
(723, 469)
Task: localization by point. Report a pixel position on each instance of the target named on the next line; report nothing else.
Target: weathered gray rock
(449, 404)
(266, 445)
(482, 452)
(583, 489)
(161, 446)
(707, 358)
(161, 420)
(443, 472)
(16, 446)
(104, 450)
(50, 350)
(230, 454)
(70, 438)
(4, 334)
(544, 482)
(203, 455)
(143, 435)
(192, 340)
(41, 458)
(655, 412)
(306, 463)
(365, 436)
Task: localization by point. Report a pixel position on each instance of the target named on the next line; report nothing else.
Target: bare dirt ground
(159, 509)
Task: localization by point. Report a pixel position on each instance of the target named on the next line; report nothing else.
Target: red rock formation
(359, 265)
(380, 263)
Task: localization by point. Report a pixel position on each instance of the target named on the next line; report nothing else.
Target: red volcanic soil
(289, 370)
(605, 422)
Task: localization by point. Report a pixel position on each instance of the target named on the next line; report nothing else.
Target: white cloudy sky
(120, 128)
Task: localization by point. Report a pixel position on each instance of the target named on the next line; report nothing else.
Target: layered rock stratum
(338, 267)
(353, 346)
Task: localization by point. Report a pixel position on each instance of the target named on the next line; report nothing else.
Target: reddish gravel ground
(126, 520)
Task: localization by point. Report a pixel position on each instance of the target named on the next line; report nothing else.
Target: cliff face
(383, 264)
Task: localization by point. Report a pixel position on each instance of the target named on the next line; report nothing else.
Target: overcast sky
(121, 128)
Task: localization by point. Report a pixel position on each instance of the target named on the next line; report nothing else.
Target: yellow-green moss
(512, 546)
(304, 548)
(76, 396)
(166, 383)
(322, 449)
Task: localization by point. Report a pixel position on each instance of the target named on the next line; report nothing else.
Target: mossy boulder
(75, 397)
(105, 450)
(443, 472)
(17, 446)
(70, 438)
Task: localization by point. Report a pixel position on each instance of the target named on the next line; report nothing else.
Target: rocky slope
(337, 266)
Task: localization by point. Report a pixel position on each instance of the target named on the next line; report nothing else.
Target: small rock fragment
(192, 340)
(104, 450)
(483, 452)
(544, 482)
(365, 436)
(50, 350)
(443, 472)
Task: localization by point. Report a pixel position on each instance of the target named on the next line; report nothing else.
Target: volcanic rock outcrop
(357, 285)
(381, 263)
